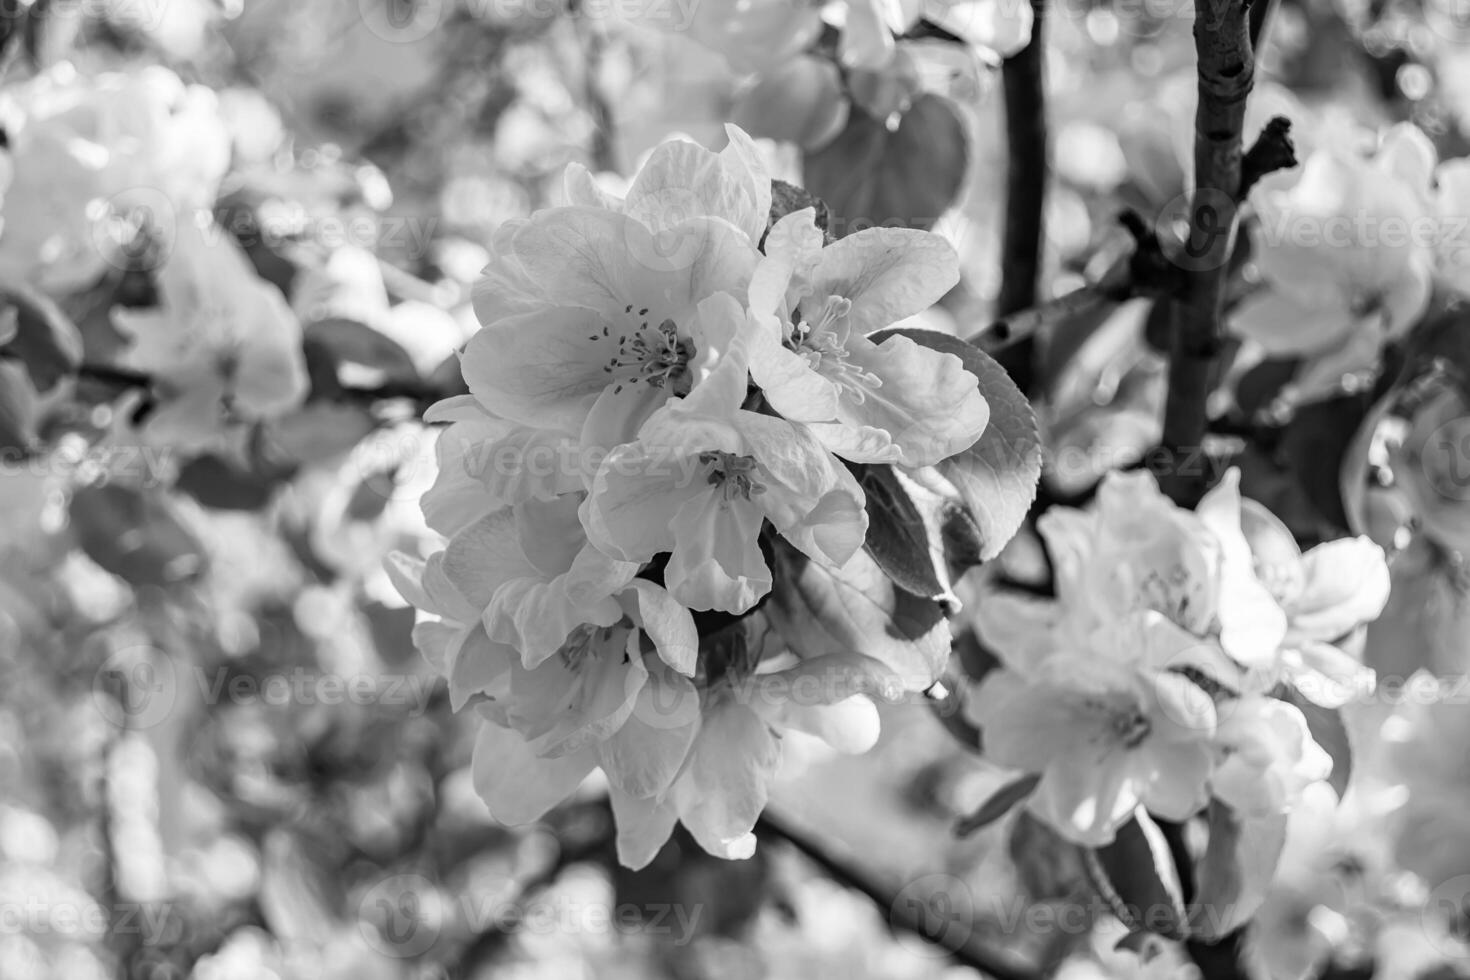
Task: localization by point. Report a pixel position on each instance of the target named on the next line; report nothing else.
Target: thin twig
(1272, 151)
(113, 375)
(914, 916)
(1145, 271)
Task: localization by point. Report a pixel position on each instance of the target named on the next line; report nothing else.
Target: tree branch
(1022, 83)
(1145, 271)
(914, 916)
(1226, 71)
(1224, 32)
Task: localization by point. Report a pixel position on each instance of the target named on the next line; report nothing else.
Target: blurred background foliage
(221, 758)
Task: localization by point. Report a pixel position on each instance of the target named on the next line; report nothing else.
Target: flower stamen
(659, 357)
(823, 343)
(733, 475)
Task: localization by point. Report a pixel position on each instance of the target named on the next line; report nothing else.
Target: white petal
(517, 786)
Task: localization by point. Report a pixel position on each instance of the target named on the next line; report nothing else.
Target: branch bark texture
(1023, 87)
(1226, 71)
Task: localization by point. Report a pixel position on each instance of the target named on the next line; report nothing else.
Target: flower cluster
(664, 389)
(1155, 677)
(1351, 253)
(114, 174)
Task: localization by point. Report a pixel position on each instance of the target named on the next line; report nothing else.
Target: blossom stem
(121, 377)
(1144, 271)
(1022, 82)
(1226, 69)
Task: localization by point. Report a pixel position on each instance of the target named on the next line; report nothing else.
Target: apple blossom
(84, 146)
(1137, 550)
(1270, 757)
(1105, 732)
(1345, 262)
(704, 476)
(222, 342)
(1328, 594)
(894, 401)
(485, 463)
(589, 309)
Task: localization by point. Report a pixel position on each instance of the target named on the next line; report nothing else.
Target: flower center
(734, 475)
(822, 341)
(656, 356)
(579, 646)
(1120, 721)
(1131, 728)
(1170, 591)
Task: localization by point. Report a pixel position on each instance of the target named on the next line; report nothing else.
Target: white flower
(589, 309)
(1328, 595)
(1345, 259)
(895, 401)
(1106, 726)
(1136, 550)
(221, 343)
(1270, 757)
(706, 474)
(85, 149)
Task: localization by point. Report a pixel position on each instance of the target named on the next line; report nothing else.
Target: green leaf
(996, 477)
(898, 536)
(135, 535)
(1328, 731)
(225, 484)
(1135, 874)
(1238, 865)
(1000, 803)
(19, 408)
(1316, 442)
(238, 212)
(334, 342)
(317, 432)
(857, 609)
(45, 339)
(907, 177)
(788, 198)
